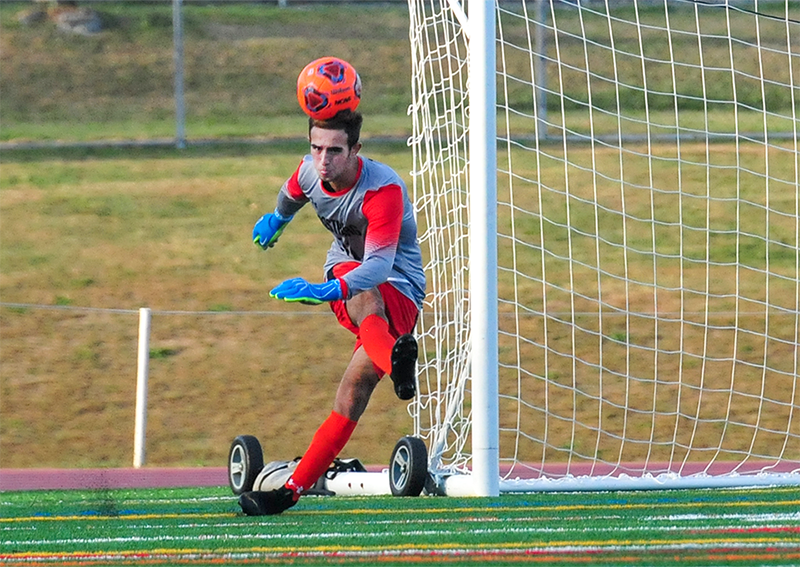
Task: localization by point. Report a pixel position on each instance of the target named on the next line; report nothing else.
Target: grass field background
(204, 526)
(90, 235)
(171, 231)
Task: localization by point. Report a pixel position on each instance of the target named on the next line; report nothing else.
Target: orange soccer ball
(327, 86)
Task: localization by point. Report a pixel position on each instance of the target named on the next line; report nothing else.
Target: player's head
(347, 120)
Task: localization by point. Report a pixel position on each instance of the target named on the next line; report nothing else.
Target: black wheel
(245, 461)
(408, 469)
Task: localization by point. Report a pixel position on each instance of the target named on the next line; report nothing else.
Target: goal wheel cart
(406, 476)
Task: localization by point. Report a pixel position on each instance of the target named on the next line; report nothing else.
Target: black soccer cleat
(261, 503)
(404, 367)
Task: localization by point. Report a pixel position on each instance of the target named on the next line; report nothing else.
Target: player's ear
(356, 148)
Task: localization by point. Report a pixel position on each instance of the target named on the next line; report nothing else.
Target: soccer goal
(607, 194)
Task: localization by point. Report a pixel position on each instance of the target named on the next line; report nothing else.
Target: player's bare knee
(364, 304)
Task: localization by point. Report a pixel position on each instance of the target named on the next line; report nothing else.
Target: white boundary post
(140, 425)
(483, 247)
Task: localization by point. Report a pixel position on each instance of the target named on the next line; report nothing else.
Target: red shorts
(401, 312)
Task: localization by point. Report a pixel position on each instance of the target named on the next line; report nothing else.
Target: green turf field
(194, 526)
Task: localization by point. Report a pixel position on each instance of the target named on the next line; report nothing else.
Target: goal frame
(485, 478)
(483, 250)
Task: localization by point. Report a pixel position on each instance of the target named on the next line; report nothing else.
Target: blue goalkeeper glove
(269, 228)
(299, 290)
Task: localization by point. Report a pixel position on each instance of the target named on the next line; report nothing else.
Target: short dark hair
(347, 120)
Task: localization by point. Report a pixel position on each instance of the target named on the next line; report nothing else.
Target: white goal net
(648, 240)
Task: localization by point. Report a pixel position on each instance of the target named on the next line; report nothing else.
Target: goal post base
(463, 485)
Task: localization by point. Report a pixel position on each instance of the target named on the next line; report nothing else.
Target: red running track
(174, 477)
(65, 479)
(106, 479)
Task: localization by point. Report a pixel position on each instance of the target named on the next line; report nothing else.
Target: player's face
(333, 160)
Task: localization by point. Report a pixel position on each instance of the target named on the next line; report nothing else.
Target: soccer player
(374, 283)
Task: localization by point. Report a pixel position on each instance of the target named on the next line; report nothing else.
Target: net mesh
(648, 236)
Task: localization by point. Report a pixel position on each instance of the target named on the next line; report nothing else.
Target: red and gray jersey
(372, 223)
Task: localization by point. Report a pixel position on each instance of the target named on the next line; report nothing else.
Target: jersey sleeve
(383, 210)
(291, 197)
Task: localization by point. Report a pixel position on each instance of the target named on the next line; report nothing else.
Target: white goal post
(607, 194)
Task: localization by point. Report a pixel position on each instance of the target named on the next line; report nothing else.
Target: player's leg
(377, 316)
(385, 319)
(368, 311)
(355, 389)
(380, 318)
(352, 397)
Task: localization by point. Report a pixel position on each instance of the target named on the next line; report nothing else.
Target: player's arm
(384, 212)
(269, 227)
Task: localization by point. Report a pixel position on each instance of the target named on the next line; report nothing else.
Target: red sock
(328, 441)
(378, 342)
